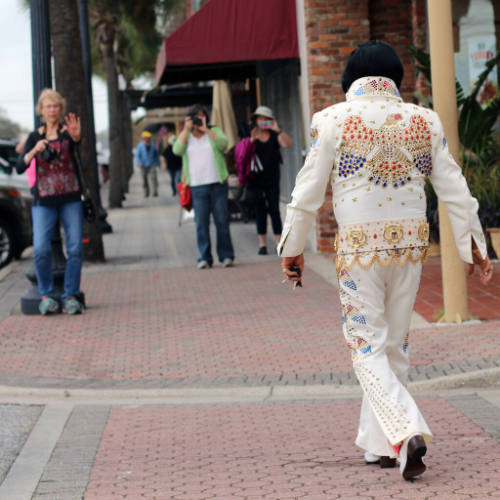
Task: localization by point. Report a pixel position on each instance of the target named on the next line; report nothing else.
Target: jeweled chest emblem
(392, 153)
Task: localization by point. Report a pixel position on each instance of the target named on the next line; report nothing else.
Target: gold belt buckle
(356, 238)
(423, 231)
(393, 233)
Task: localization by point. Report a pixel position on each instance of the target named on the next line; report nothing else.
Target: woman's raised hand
(73, 126)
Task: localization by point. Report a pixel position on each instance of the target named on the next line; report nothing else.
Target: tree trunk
(70, 82)
(105, 23)
(115, 162)
(126, 137)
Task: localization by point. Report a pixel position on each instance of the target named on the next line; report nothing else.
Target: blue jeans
(44, 221)
(175, 178)
(212, 199)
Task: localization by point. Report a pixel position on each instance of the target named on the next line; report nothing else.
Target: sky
(16, 86)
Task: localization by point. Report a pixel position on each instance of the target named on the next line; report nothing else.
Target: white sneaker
(227, 263)
(371, 458)
(203, 264)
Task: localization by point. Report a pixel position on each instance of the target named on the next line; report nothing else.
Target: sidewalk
(225, 383)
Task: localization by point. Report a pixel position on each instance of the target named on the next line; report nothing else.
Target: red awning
(230, 32)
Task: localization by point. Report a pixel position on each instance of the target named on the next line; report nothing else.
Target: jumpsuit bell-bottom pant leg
(377, 304)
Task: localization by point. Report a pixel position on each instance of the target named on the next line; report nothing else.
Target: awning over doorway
(225, 38)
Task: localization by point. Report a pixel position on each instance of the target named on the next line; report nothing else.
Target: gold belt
(382, 235)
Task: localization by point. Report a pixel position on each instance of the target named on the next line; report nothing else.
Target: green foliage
(137, 34)
(479, 151)
(8, 128)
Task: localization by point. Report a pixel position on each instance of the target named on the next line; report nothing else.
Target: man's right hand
(288, 262)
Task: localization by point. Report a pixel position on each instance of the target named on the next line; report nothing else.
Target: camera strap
(78, 159)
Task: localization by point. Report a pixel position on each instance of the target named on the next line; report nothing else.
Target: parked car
(15, 206)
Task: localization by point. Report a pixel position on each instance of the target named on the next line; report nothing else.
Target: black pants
(270, 204)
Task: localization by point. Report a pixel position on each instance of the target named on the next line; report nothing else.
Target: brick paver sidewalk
(237, 326)
(273, 451)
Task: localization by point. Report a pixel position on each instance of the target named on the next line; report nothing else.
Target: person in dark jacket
(171, 162)
(268, 138)
(57, 194)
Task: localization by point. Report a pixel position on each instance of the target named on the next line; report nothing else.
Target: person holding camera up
(268, 138)
(57, 194)
(204, 170)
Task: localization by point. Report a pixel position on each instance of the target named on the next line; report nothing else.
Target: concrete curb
(5, 271)
(475, 379)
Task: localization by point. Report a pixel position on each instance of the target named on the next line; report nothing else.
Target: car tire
(7, 244)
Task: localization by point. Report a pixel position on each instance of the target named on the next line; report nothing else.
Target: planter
(495, 239)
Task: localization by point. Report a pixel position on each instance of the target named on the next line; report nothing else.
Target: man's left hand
(485, 267)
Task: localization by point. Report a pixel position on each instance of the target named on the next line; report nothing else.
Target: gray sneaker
(227, 263)
(203, 264)
(48, 305)
(72, 306)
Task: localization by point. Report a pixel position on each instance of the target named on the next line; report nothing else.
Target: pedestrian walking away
(204, 170)
(148, 160)
(377, 152)
(57, 194)
(170, 161)
(262, 153)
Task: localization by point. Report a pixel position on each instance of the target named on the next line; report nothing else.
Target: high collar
(373, 86)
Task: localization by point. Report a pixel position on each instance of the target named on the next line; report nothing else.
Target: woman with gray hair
(57, 194)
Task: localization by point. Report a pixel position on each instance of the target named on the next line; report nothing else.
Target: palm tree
(116, 23)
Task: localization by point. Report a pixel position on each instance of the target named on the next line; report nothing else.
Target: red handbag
(185, 196)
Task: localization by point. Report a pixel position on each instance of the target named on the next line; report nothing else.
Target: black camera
(196, 120)
(48, 154)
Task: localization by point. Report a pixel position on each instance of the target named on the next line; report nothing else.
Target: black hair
(193, 110)
(373, 58)
(170, 126)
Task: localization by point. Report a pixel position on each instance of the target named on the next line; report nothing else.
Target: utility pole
(40, 49)
(445, 104)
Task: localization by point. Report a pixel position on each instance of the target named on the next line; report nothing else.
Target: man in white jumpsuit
(376, 151)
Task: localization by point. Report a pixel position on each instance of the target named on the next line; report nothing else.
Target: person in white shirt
(377, 151)
(204, 170)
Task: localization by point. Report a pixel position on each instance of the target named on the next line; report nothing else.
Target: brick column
(334, 28)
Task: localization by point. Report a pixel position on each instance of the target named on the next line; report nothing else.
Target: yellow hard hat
(146, 134)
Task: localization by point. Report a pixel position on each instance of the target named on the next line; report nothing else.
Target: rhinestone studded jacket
(377, 151)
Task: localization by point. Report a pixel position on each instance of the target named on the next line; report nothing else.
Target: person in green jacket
(204, 170)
